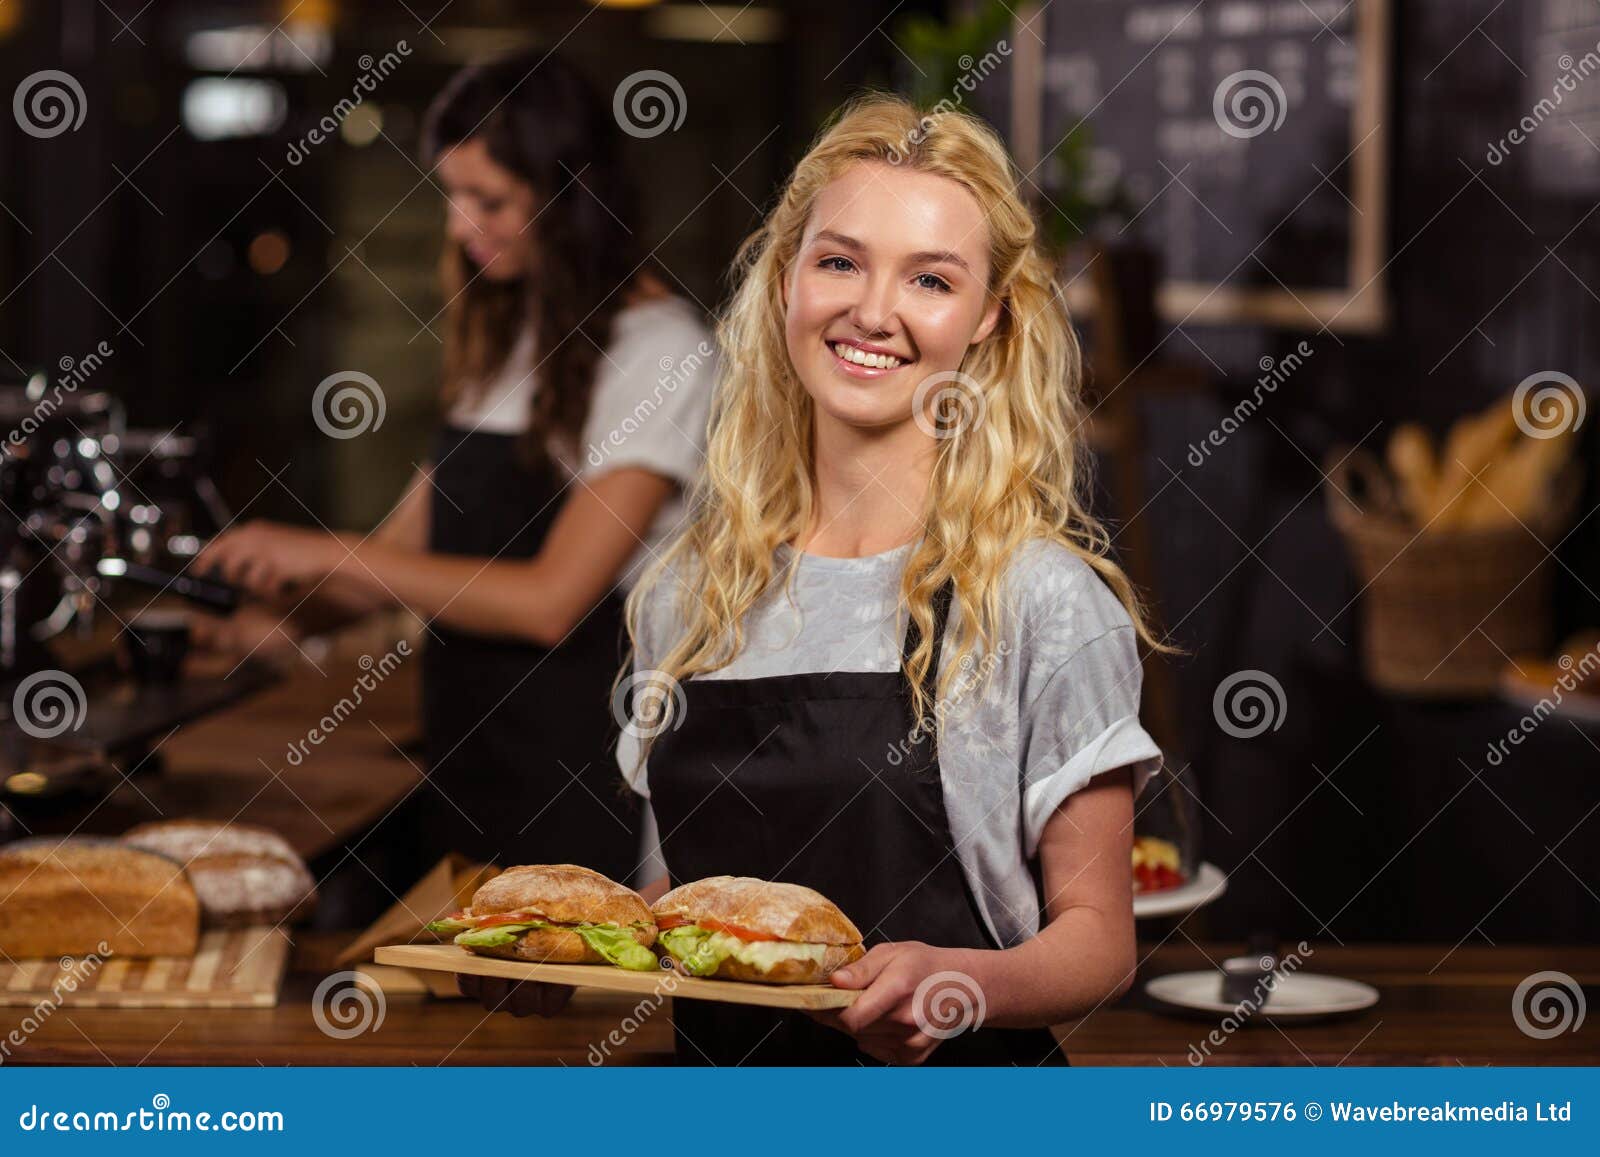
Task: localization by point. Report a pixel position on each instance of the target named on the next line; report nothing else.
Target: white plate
(1295, 995)
(1209, 883)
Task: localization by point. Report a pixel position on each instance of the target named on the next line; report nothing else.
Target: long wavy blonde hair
(1018, 473)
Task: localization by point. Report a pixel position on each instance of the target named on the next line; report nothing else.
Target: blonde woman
(905, 671)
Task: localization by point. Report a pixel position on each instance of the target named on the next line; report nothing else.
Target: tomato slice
(665, 922)
(737, 930)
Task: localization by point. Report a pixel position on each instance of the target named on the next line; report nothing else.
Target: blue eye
(939, 284)
(835, 263)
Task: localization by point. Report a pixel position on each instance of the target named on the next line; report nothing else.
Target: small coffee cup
(158, 642)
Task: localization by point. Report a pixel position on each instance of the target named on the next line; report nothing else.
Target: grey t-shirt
(1053, 704)
(649, 407)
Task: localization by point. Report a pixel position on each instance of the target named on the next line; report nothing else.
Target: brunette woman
(575, 397)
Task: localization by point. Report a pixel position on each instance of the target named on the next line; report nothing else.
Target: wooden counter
(236, 765)
(1459, 1013)
(1438, 1006)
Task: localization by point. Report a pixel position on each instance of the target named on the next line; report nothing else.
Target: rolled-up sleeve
(1084, 722)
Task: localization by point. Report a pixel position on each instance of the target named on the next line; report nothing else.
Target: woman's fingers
(553, 997)
(519, 998)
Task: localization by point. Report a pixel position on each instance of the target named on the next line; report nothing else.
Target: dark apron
(519, 736)
(790, 778)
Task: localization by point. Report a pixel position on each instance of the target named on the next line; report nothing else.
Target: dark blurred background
(176, 225)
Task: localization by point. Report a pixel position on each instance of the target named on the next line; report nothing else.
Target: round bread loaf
(244, 875)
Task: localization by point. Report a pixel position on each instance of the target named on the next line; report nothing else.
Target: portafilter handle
(218, 597)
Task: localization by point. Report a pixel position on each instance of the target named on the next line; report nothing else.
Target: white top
(649, 407)
(1055, 704)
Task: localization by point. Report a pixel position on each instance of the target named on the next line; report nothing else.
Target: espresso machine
(96, 520)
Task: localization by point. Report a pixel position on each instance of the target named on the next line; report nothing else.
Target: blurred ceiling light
(301, 46)
(717, 23)
(216, 108)
(363, 125)
(268, 252)
(622, 3)
(10, 16)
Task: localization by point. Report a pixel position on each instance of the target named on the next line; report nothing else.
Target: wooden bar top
(255, 762)
(1438, 1007)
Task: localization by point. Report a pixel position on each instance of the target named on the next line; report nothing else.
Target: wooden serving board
(233, 968)
(451, 958)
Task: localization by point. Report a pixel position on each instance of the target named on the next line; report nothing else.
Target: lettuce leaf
(694, 948)
(449, 927)
(618, 946)
(500, 934)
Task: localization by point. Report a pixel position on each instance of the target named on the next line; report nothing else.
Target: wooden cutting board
(450, 958)
(233, 968)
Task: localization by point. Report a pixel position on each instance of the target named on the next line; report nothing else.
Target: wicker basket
(1442, 610)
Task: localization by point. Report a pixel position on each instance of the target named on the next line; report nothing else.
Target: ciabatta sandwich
(555, 914)
(740, 928)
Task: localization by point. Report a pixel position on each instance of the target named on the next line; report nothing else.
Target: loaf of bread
(243, 875)
(76, 896)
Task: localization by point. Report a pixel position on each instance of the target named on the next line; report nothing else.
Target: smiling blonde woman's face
(890, 287)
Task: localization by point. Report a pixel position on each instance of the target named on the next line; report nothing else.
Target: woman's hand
(909, 988)
(268, 558)
(518, 997)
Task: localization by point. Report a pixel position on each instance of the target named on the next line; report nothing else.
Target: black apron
(790, 778)
(519, 736)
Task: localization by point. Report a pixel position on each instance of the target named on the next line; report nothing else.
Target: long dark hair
(541, 120)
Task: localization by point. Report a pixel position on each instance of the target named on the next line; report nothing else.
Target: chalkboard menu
(1561, 125)
(1249, 135)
